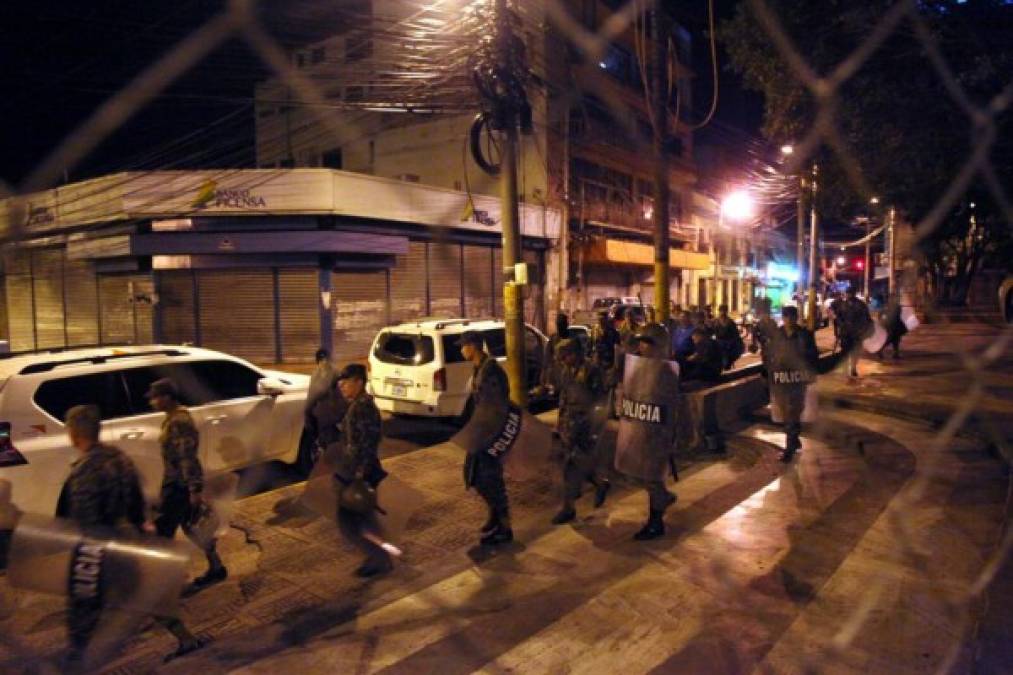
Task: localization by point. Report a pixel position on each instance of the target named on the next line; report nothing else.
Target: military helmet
(358, 497)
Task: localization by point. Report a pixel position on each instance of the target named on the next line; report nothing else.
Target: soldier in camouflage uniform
(483, 471)
(102, 491)
(764, 331)
(580, 385)
(183, 479)
(358, 461)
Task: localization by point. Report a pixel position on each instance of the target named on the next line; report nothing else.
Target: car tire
(304, 460)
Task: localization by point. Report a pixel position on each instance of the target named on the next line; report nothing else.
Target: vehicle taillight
(440, 380)
(9, 455)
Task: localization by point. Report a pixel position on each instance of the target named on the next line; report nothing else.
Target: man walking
(103, 491)
(357, 466)
(727, 335)
(793, 369)
(183, 478)
(581, 385)
(483, 470)
(550, 358)
(604, 340)
(764, 331)
(855, 326)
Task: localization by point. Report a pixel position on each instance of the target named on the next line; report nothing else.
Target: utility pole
(500, 72)
(891, 252)
(662, 234)
(813, 246)
(868, 257)
(800, 257)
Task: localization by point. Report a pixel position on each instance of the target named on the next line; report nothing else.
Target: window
(227, 379)
(331, 159)
(104, 390)
(404, 348)
(495, 344)
(199, 382)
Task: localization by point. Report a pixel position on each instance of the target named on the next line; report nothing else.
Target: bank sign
(211, 196)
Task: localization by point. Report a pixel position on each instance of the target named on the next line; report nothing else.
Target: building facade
(266, 264)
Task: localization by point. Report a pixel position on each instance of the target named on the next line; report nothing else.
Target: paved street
(873, 534)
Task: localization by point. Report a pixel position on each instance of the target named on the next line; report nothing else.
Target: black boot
(491, 523)
(601, 492)
(653, 528)
(501, 535)
(791, 446)
(565, 515)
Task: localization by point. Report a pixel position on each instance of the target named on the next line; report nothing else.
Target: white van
(417, 368)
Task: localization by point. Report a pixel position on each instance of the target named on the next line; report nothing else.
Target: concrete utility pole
(813, 247)
(800, 257)
(868, 257)
(662, 234)
(891, 251)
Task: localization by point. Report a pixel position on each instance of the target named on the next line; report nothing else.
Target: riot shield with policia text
(519, 439)
(647, 419)
(792, 381)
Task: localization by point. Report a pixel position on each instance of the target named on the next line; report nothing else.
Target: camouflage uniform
(103, 491)
(183, 475)
(603, 346)
(489, 387)
(359, 459)
(580, 387)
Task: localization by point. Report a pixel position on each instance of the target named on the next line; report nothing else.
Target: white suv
(245, 415)
(417, 368)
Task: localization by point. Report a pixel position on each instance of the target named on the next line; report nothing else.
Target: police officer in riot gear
(482, 470)
(358, 471)
(103, 491)
(580, 384)
(652, 343)
(764, 330)
(183, 479)
(855, 325)
(792, 368)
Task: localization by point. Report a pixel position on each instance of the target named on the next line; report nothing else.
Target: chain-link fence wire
(427, 67)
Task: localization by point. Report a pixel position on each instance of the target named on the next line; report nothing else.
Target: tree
(909, 138)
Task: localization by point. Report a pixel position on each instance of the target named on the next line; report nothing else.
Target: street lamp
(738, 206)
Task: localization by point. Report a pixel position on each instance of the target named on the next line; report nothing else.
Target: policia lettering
(792, 377)
(85, 579)
(644, 412)
(508, 436)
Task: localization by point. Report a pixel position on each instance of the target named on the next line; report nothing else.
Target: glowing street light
(874, 201)
(738, 206)
(787, 150)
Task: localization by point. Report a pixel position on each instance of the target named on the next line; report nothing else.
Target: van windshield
(404, 349)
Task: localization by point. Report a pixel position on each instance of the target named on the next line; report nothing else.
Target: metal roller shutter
(47, 280)
(237, 313)
(116, 310)
(445, 280)
(299, 313)
(81, 292)
(497, 271)
(142, 290)
(478, 288)
(18, 290)
(534, 300)
(408, 285)
(175, 307)
(360, 311)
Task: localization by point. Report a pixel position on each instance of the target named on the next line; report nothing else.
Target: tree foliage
(905, 131)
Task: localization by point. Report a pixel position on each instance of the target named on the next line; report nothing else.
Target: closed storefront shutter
(534, 299)
(18, 289)
(408, 285)
(299, 313)
(478, 288)
(237, 313)
(117, 312)
(47, 273)
(360, 310)
(81, 291)
(497, 281)
(175, 307)
(445, 280)
(142, 291)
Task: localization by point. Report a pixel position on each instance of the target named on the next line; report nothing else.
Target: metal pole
(813, 244)
(513, 301)
(800, 258)
(564, 230)
(868, 257)
(891, 252)
(662, 234)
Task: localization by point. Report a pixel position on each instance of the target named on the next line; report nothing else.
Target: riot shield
(396, 502)
(647, 419)
(518, 438)
(875, 342)
(214, 517)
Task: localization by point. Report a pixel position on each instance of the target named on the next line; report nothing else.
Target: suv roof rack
(46, 366)
(61, 350)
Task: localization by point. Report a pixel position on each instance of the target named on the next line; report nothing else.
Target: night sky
(61, 59)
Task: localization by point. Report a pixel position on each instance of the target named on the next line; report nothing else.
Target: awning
(618, 252)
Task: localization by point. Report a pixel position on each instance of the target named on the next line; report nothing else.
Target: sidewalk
(930, 382)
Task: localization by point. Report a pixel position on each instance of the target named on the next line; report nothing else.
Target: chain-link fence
(407, 64)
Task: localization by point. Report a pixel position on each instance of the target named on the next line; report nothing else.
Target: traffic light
(859, 264)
